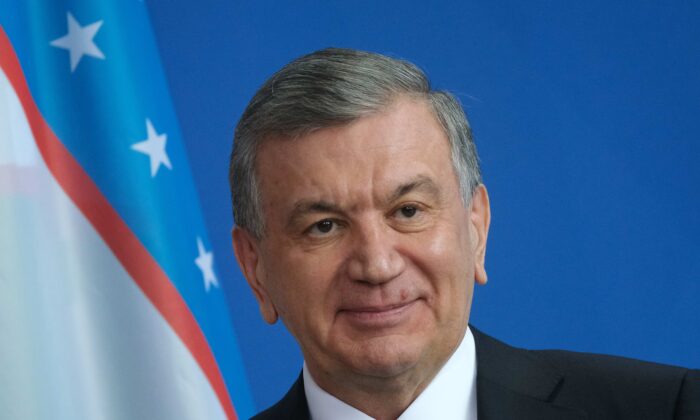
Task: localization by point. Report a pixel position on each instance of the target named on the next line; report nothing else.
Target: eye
(323, 227)
(408, 211)
(410, 216)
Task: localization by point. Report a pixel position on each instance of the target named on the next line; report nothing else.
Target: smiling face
(369, 255)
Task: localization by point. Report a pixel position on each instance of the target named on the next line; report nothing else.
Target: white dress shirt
(450, 396)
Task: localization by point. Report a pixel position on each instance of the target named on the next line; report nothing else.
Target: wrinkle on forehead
(355, 165)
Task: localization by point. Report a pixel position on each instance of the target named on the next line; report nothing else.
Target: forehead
(359, 160)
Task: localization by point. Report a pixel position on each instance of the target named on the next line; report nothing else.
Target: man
(361, 222)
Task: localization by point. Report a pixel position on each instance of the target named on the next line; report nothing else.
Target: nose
(374, 258)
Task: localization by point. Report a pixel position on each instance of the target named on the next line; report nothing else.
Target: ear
(480, 216)
(247, 251)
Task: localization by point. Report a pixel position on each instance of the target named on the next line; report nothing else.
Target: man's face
(369, 255)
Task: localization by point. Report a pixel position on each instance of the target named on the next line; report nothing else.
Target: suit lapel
(292, 407)
(513, 384)
(296, 407)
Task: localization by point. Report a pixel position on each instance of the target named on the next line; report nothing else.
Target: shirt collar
(450, 395)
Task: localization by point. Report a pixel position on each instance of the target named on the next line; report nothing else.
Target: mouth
(376, 317)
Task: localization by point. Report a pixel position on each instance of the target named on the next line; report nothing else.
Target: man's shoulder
(594, 366)
(588, 366)
(595, 383)
(623, 384)
(292, 406)
(599, 369)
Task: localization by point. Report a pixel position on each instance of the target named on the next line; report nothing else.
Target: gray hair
(333, 87)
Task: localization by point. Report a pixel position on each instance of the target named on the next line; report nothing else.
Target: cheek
(301, 287)
(442, 257)
(445, 251)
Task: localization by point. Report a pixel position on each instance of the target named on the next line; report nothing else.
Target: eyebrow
(419, 183)
(303, 207)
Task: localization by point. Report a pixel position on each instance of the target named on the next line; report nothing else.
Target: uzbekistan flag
(110, 307)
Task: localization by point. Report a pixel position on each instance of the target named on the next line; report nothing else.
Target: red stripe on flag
(132, 254)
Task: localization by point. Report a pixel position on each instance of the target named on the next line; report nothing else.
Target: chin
(385, 356)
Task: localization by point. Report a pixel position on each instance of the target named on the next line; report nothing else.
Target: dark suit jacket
(558, 385)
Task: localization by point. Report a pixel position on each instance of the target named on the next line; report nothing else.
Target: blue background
(586, 116)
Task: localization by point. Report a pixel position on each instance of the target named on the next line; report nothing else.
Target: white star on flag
(79, 41)
(205, 262)
(154, 147)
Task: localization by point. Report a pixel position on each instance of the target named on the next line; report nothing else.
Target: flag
(110, 305)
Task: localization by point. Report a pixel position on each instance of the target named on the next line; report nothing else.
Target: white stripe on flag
(79, 338)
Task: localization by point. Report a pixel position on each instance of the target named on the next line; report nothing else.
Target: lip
(377, 317)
